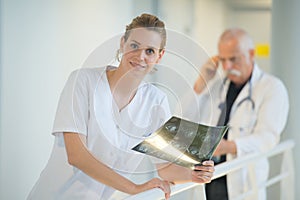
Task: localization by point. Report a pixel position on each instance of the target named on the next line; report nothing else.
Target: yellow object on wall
(262, 50)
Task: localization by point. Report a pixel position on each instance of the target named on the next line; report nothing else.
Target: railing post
(252, 177)
(287, 185)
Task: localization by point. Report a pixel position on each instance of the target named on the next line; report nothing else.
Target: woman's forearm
(174, 173)
(81, 158)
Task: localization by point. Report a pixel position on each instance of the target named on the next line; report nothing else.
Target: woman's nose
(141, 54)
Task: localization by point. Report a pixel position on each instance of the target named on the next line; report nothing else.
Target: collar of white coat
(256, 75)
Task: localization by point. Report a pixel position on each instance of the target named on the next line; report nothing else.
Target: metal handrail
(223, 169)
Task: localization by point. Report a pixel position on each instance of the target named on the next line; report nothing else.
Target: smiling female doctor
(101, 115)
(251, 102)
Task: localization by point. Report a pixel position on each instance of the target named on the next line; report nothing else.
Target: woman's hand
(155, 183)
(203, 173)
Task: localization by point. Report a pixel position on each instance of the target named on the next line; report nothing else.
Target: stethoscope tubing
(248, 98)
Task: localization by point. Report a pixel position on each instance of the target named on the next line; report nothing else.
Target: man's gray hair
(245, 41)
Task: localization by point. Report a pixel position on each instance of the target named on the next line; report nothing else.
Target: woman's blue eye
(150, 51)
(134, 46)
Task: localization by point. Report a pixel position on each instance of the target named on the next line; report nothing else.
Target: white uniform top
(257, 118)
(86, 106)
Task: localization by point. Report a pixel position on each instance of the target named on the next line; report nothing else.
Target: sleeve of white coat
(72, 111)
(271, 119)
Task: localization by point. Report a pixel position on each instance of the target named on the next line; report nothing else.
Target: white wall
(41, 42)
(210, 21)
(255, 17)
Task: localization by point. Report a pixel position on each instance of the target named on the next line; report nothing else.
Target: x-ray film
(183, 142)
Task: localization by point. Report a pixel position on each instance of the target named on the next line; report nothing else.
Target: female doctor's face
(236, 62)
(141, 51)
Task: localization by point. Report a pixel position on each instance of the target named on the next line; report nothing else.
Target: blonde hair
(150, 22)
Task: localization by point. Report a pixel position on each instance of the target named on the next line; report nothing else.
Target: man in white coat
(252, 103)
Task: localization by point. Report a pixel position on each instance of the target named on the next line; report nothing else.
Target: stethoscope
(248, 98)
